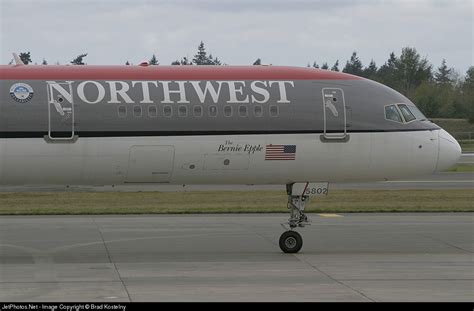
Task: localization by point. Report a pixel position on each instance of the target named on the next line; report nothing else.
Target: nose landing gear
(298, 195)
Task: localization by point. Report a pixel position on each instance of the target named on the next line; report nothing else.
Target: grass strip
(338, 201)
(462, 168)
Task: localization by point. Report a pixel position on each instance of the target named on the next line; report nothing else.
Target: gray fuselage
(183, 107)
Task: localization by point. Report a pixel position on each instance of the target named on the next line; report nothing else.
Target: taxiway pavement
(345, 257)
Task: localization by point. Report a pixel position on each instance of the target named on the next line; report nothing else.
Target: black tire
(291, 242)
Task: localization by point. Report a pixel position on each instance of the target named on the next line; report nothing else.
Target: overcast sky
(280, 32)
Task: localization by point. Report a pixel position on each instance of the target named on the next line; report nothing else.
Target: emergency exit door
(334, 113)
(60, 111)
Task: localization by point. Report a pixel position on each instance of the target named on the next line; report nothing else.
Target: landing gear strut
(291, 241)
(298, 195)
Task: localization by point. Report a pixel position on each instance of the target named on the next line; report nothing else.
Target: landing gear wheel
(291, 242)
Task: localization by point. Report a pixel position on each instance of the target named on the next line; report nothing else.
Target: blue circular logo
(21, 92)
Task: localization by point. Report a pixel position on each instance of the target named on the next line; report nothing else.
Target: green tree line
(439, 92)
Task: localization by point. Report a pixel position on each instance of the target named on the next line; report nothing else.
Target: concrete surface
(350, 257)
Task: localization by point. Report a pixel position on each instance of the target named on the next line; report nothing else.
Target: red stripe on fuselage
(175, 73)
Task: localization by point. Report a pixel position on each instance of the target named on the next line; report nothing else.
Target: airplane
(302, 127)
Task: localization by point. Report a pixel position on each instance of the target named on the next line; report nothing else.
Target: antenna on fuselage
(18, 61)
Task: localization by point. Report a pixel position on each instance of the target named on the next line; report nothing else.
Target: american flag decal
(280, 152)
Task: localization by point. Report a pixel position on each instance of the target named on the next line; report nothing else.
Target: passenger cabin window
(273, 111)
(392, 113)
(213, 111)
(227, 111)
(122, 111)
(183, 111)
(137, 111)
(407, 114)
(167, 111)
(197, 111)
(152, 111)
(258, 111)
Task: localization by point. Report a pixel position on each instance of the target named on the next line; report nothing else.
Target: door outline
(58, 109)
(131, 168)
(338, 136)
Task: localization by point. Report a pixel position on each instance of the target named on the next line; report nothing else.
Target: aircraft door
(60, 111)
(150, 164)
(334, 113)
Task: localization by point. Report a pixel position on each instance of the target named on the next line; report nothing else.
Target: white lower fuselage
(217, 159)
